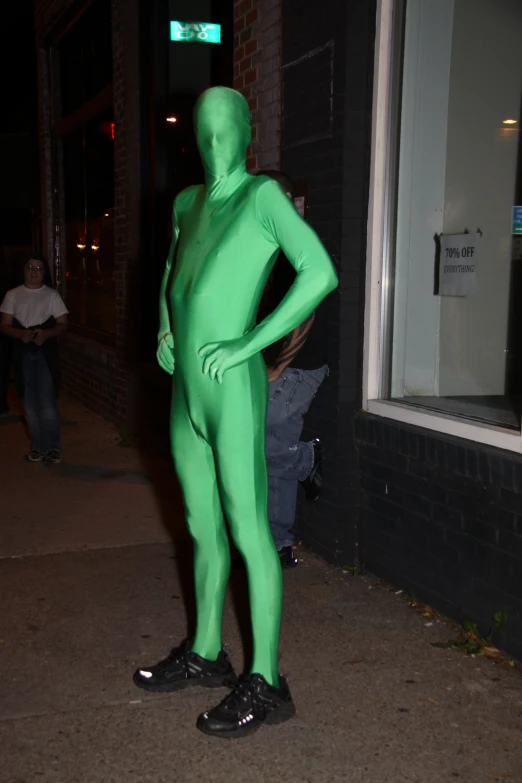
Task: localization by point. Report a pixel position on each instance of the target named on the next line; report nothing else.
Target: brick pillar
(125, 41)
(257, 75)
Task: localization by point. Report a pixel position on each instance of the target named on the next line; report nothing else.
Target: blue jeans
(289, 460)
(40, 403)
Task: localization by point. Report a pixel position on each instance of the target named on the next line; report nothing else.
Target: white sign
(458, 264)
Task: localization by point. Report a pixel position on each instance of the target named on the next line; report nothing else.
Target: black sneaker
(313, 483)
(53, 456)
(287, 557)
(34, 456)
(182, 668)
(252, 703)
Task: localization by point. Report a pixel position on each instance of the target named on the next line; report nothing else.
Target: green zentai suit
(227, 235)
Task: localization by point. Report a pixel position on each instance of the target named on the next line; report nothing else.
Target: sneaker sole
(170, 687)
(273, 719)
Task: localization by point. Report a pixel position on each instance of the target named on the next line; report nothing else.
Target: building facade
(399, 121)
(439, 436)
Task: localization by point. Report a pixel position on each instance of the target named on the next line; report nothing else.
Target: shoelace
(179, 655)
(241, 694)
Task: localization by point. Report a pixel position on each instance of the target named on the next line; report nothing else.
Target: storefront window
(452, 279)
(84, 134)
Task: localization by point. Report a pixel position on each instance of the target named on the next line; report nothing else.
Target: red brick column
(257, 75)
(245, 71)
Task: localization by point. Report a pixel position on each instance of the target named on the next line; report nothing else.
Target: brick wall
(442, 517)
(326, 138)
(103, 378)
(90, 373)
(257, 75)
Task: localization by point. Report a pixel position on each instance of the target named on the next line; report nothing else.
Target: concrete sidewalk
(95, 580)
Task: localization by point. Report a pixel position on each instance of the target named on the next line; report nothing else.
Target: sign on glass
(458, 264)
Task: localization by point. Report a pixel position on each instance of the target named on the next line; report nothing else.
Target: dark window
(85, 58)
(88, 165)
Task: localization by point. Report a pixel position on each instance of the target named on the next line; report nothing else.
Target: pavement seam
(85, 550)
(107, 705)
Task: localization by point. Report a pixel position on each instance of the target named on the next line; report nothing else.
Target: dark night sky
(18, 87)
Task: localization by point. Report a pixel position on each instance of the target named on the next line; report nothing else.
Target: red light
(108, 129)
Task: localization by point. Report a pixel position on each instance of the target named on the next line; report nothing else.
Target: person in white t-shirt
(34, 315)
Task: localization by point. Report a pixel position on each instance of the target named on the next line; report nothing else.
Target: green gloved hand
(220, 357)
(165, 353)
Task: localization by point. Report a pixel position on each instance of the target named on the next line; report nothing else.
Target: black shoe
(287, 557)
(34, 456)
(252, 703)
(313, 483)
(182, 668)
(53, 456)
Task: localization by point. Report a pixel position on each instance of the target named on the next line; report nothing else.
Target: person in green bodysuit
(226, 237)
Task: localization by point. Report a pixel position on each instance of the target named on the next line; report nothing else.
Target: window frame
(381, 225)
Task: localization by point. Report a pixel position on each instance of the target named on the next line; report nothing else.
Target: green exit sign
(195, 32)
